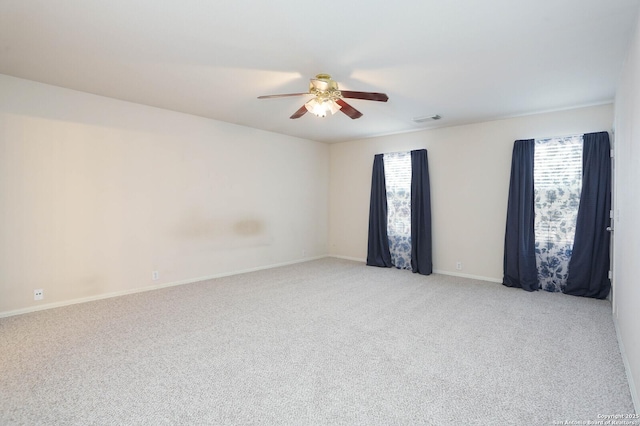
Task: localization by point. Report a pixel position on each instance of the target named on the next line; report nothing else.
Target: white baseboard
(627, 369)
(435, 271)
(149, 288)
(355, 259)
(473, 277)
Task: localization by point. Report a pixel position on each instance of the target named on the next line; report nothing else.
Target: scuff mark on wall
(216, 233)
(195, 225)
(248, 227)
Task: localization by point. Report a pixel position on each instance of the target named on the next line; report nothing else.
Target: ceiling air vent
(427, 118)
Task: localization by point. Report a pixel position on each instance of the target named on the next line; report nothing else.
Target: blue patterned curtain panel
(557, 181)
(397, 170)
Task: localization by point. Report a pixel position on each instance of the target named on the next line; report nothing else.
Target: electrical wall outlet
(459, 265)
(155, 275)
(38, 294)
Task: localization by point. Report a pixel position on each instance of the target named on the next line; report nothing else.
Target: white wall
(96, 193)
(626, 272)
(469, 169)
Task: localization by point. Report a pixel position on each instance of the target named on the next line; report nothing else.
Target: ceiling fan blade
(367, 96)
(282, 96)
(299, 113)
(348, 109)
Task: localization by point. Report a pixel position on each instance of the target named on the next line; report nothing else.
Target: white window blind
(557, 177)
(557, 161)
(397, 173)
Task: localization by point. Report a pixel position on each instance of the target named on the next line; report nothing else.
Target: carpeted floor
(318, 343)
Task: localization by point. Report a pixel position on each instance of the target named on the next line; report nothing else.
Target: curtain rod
(610, 131)
(558, 137)
(401, 152)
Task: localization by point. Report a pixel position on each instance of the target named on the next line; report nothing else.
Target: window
(397, 171)
(557, 182)
(558, 212)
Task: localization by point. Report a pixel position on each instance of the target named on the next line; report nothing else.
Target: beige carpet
(323, 342)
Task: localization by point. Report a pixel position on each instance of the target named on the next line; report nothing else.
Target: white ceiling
(466, 60)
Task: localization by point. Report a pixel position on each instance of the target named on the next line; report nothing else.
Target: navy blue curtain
(519, 241)
(421, 250)
(589, 264)
(378, 247)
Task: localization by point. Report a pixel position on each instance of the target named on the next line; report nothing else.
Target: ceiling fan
(327, 97)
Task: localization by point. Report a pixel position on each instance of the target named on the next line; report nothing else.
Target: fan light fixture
(320, 107)
(326, 93)
(327, 97)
